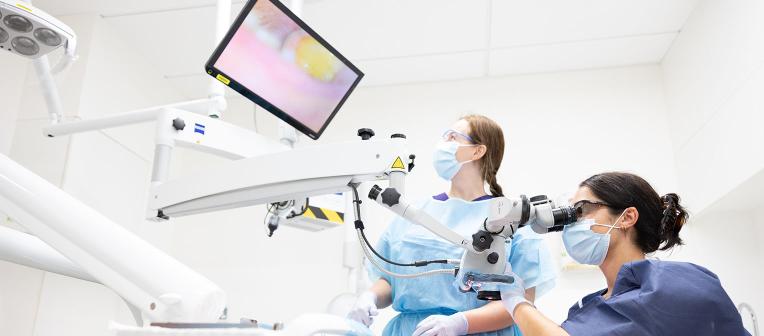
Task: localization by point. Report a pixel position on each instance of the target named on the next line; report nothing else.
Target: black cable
(271, 229)
(414, 264)
(267, 212)
(359, 227)
(304, 209)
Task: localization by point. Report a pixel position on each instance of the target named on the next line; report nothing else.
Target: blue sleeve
(390, 236)
(531, 260)
(383, 248)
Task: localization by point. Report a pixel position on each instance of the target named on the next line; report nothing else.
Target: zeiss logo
(199, 128)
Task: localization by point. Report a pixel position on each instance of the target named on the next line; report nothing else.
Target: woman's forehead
(583, 193)
(461, 126)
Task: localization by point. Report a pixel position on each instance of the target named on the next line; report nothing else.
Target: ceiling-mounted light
(18, 23)
(30, 32)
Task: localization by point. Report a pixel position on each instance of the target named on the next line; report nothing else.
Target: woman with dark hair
(621, 219)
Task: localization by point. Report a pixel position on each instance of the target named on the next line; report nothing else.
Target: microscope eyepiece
(563, 216)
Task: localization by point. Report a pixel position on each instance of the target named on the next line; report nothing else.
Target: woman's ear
(479, 152)
(629, 218)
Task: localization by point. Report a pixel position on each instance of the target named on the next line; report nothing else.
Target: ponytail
(494, 186)
(674, 217)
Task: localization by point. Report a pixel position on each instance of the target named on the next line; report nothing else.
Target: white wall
(714, 75)
(728, 244)
(14, 68)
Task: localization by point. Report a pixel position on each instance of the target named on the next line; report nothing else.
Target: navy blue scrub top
(653, 297)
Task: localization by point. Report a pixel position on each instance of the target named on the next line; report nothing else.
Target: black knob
(390, 197)
(493, 258)
(374, 192)
(538, 198)
(178, 124)
(365, 133)
(482, 240)
(398, 135)
(161, 215)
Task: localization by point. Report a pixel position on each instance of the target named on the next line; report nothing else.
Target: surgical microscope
(483, 266)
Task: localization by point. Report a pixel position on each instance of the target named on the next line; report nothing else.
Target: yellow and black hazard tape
(325, 214)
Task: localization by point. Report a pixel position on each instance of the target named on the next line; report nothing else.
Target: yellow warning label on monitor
(23, 7)
(398, 164)
(222, 78)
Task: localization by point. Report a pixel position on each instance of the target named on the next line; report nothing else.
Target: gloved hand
(441, 325)
(513, 295)
(365, 309)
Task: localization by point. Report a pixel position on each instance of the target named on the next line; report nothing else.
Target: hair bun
(670, 199)
(674, 217)
(670, 211)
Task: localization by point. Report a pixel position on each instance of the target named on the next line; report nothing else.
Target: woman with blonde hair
(468, 156)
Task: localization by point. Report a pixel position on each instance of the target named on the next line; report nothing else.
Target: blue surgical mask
(584, 245)
(444, 159)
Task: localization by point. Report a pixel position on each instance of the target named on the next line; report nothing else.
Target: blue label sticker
(199, 128)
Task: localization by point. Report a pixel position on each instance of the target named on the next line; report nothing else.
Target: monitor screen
(273, 58)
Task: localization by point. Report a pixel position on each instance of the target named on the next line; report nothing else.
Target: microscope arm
(392, 200)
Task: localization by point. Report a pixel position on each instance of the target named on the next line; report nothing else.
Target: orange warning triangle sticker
(398, 164)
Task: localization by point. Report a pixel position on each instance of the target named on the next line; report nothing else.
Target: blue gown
(421, 297)
(653, 297)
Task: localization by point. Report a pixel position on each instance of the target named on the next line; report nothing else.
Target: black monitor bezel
(233, 84)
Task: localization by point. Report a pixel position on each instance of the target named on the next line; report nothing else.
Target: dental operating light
(30, 32)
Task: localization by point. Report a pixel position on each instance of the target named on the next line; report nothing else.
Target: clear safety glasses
(452, 135)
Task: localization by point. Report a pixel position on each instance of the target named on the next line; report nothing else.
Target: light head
(30, 32)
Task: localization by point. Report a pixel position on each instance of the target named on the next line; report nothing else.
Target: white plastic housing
(161, 287)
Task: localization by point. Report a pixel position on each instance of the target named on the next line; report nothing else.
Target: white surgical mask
(584, 245)
(444, 159)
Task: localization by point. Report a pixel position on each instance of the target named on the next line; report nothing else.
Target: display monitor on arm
(274, 59)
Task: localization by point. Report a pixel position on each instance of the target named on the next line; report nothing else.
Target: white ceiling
(398, 41)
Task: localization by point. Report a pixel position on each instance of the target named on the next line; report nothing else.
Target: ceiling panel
(365, 29)
(195, 86)
(377, 72)
(519, 23)
(112, 7)
(178, 41)
(425, 68)
(400, 41)
(581, 55)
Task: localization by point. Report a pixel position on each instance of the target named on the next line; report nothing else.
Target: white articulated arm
(27, 250)
(49, 90)
(160, 286)
(278, 176)
(391, 199)
(127, 118)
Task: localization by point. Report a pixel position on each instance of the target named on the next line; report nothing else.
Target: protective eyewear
(452, 135)
(585, 207)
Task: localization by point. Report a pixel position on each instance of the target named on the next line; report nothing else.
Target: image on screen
(272, 56)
